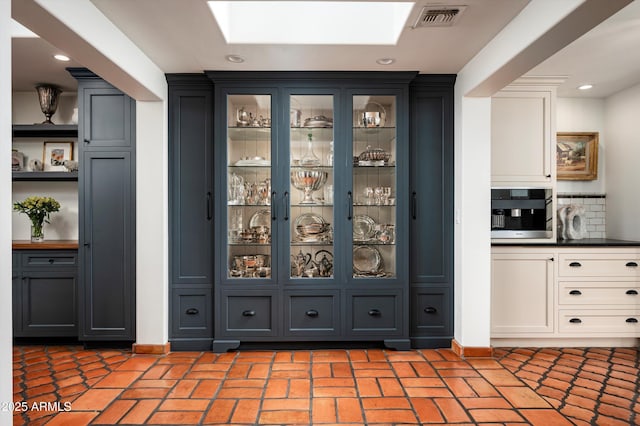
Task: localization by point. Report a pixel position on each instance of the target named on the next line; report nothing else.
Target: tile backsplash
(595, 211)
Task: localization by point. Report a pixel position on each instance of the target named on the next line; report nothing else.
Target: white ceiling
(182, 36)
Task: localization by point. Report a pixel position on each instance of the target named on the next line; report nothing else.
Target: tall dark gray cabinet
(431, 210)
(191, 211)
(310, 207)
(106, 185)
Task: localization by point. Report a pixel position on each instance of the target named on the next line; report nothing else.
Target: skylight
(311, 22)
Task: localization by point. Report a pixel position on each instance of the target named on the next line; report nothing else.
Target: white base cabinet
(590, 292)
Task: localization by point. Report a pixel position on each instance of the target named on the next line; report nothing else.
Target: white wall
(622, 124)
(64, 224)
(583, 115)
(6, 344)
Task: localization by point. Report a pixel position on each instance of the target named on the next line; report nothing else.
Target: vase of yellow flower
(38, 209)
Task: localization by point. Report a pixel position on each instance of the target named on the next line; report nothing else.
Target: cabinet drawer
(191, 312)
(599, 293)
(621, 322)
(375, 313)
(248, 315)
(599, 265)
(315, 314)
(430, 311)
(49, 259)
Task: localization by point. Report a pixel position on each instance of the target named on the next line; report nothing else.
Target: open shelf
(44, 176)
(45, 131)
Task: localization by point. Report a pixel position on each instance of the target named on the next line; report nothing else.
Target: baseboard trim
(471, 351)
(151, 349)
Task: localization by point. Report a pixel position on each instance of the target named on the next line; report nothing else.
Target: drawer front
(48, 259)
(599, 293)
(192, 313)
(599, 265)
(430, 311)
(248, 315)
(317, 315)
(375, 314)
(613, 322)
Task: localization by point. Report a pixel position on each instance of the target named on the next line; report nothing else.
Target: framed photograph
(577, 156)
(54, 155)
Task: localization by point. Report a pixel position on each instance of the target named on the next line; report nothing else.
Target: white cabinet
(545, 296)
(523, 133)
(521, 294)
(598, 292)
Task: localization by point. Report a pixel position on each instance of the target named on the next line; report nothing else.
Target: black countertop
(585, 242)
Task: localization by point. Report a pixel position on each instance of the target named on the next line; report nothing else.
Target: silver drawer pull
(575, 292)
(575, 320)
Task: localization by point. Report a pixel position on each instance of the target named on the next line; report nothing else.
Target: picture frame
(577, 155)
(54, 154)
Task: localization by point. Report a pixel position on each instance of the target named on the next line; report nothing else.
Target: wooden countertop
(46, 245)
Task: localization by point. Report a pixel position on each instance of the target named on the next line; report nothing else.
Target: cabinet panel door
(521, 137)
(521, 294)
(375, 312)
(311, 313)
(106, 118)
(431, 188)
(431, 311)
(191, 312)
(247, 314)
(107, 257)
(48, 304)
(191, 210)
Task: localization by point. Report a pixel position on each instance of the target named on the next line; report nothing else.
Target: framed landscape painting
(577, 155)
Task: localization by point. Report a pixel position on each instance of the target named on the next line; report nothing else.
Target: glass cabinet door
(249, 174)
(374, 186)
(310, 196)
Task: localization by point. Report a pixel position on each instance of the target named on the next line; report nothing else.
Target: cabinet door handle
(548, 176)
(311, 313)
(430, 310)
(375, 312)
(414, 205)
(632, 292)
(286, 205)
(350, 201)
(632, 264)
(86, 140)
(248, 313)
(87, 244)
(632, 320)
(209, 206)
(51, 261)
(575, 320)
(192, 311)
(273, 206)
(575, 264)
(575, 292)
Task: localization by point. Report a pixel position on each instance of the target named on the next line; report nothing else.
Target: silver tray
(260, 218)
(363, 227)
(367, 260)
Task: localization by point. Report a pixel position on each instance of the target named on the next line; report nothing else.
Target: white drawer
(623, 322)
(599, 265)
(599, 293)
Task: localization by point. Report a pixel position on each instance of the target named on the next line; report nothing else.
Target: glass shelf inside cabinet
(374, 186)
(249, 177)
(311, 139)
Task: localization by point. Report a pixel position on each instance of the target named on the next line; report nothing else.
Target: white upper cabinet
(523, 133)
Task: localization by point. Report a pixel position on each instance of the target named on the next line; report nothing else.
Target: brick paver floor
(69, 385)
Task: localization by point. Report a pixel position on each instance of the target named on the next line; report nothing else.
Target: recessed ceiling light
(236, 59)
(385, 61)
(62, 58)
(311, 22)
(585, 86)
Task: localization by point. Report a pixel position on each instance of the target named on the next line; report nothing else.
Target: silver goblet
(48, 97)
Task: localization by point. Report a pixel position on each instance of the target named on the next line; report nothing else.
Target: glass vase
(37, 233)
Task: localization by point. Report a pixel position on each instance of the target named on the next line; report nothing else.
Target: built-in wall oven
(521, 213)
